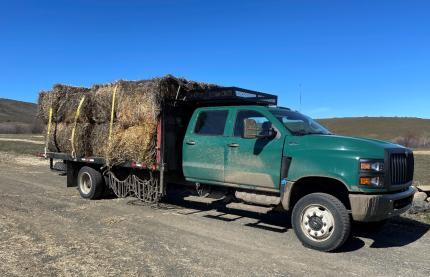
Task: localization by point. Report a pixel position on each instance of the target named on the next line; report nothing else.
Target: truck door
(253, 161)
(204, 146)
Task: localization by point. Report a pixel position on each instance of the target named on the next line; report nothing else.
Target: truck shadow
(398, 231)
(272, 221)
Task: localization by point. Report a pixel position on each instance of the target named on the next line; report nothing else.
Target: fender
(287, 188)
(285, 194)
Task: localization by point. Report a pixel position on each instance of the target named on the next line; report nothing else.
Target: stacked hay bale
(64, 101)
(136, 110)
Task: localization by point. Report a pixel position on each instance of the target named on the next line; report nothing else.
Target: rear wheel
(90, 183)
(321, 222)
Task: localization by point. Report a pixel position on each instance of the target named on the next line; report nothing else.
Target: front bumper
(367, 208)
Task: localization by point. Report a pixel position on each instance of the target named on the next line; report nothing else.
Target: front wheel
(321, 222)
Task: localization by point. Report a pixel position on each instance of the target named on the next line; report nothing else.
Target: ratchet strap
(112, 117)
(48, 131)
(112, 113)
(72, 139)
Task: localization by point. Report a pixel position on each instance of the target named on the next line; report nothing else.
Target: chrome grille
(401, 168)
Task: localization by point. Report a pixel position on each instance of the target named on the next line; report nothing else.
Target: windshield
(299, 124)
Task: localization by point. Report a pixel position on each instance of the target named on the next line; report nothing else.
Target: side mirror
(250, 128)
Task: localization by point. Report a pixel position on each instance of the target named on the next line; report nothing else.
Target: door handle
(191, 142)
(233, 145)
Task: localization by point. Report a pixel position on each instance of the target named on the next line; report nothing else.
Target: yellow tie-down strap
(48, 132)
(72, 139)
(112, 113)
(112, 117)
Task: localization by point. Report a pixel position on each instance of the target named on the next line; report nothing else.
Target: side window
(211, 123)
(263, 124)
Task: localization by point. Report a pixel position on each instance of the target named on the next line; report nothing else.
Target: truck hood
(362, 147)
(333, 156)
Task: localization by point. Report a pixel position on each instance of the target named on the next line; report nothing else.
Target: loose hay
(136, 112)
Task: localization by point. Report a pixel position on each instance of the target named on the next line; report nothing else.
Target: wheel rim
(317, 222)
(85, 183)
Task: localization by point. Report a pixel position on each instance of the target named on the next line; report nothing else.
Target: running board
(258, 198)
(232, 205)
(249, 208)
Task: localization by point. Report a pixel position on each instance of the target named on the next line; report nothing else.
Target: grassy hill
(17, 111)
(386, 128)
(19, 117)
(16, 116)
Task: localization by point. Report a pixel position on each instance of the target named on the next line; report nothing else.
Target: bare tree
(408, 140)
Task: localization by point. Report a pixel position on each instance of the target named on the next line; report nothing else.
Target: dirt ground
(46, 229)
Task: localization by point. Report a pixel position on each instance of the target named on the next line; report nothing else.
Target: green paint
(257, 162)
(331, 156)
(203, 155)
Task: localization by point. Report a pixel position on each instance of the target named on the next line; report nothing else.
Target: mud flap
(72, 174)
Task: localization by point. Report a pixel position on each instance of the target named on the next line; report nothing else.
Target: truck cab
(325, 180)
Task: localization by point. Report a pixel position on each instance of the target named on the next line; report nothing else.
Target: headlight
(371, 173)
(375, 166)
(376, 181)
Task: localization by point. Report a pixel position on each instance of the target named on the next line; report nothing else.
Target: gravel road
(47, 229)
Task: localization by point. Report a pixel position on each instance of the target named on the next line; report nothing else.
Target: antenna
(300, 97)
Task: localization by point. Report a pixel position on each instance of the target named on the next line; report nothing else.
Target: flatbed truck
(241, 142)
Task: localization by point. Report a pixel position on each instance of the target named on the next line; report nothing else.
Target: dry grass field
(422, 168)
(21, 143)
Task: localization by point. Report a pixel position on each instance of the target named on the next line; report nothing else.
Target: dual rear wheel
(91, 183)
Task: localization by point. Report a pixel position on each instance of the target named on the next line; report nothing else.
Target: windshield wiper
(304, 133)
(301, 133)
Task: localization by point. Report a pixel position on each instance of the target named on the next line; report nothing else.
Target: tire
(90, 183)
(321, 222)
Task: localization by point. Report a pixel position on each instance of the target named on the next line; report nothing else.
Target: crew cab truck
(265, 155)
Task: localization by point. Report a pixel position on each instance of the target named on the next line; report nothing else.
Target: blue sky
(349, 58)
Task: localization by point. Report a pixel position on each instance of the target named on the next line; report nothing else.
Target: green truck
(239, 141)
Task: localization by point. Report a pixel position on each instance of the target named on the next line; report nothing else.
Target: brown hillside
(386, 128)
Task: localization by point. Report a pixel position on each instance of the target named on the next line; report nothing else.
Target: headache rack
(227, 96)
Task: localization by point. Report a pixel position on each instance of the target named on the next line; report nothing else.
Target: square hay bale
(60, 138)
(64, 101)
(137, 109)
(136, 143)
(99, 139)
(101, 102)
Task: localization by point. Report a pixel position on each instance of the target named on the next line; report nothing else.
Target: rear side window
(211, 123)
